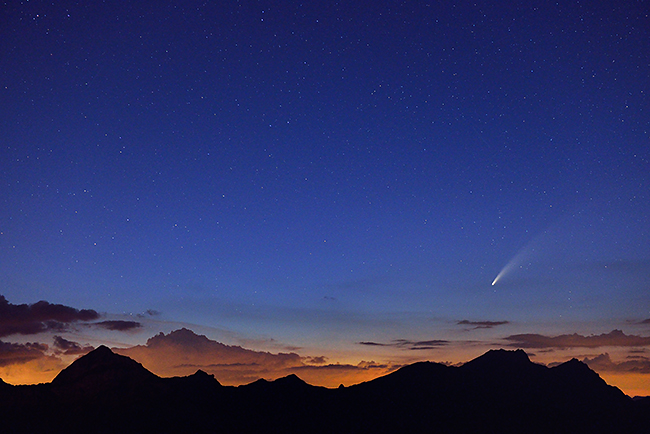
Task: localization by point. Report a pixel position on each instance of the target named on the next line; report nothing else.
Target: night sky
(338, 179)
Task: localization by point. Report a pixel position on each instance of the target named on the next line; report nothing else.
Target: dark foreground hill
(499, 392)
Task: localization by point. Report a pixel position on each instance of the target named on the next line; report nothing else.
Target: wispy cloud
(615, 338)
(118, 325)
(407, 344)
(69, 347)
(148, 313)
(482, 324)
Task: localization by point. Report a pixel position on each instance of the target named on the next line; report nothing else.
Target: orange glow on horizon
(331, 376)
(631, 384)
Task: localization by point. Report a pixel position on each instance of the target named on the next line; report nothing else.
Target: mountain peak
(518, 355)
(290, 380)
(102, 351)
(102, 367)
(574, 368)
(500, 360)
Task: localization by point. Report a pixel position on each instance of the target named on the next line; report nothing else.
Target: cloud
(634, 364)
(335, 374)
(183, 348)
(149, 312)
(118, 325)
(645, 321)
(182, 352)
(69, 347)
(482, 324)
(318, 360)
(30, 319)
(409, 344)
(615, 338)
(11, 354)
(28, 363)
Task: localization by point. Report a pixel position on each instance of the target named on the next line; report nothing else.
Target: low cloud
(318, 360)
(28, 363)
(31, 319)
(482, 324)
(615, 338)
(69, 347)
(182, 352)
(633, 364)
(334, 374)
(118, 325)
(407, 344)
(11, 354)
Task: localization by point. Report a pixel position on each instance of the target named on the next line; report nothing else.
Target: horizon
(161, 354)
(118, 351)
(367, 184)
(501, 389)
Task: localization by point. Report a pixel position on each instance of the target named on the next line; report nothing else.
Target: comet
(522, 257)
(505, 270)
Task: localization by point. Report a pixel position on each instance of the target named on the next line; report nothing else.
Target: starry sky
(339, 179)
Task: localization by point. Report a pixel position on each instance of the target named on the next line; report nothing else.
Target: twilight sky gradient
(337, 179)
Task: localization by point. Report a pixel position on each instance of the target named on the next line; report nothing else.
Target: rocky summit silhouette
(498, 392)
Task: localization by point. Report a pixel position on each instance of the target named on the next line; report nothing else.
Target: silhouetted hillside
(102, 369)
(498, 392)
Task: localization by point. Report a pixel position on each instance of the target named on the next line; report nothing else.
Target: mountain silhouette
(498, 392)
(102, 369)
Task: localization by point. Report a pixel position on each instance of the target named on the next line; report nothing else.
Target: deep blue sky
(329, 172)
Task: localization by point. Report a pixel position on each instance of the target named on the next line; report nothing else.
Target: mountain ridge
(500, 391)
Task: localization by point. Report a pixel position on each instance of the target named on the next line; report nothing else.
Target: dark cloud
(12, 354)
(362, 366)
(118, 325)
(149, 312)
(318, 360)
(407, 344)
(645, 321)
(29, 319)
(216, 365)
(482, 324)
(615, 338)
(70, 347)
(634, 364)
(371, 344)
